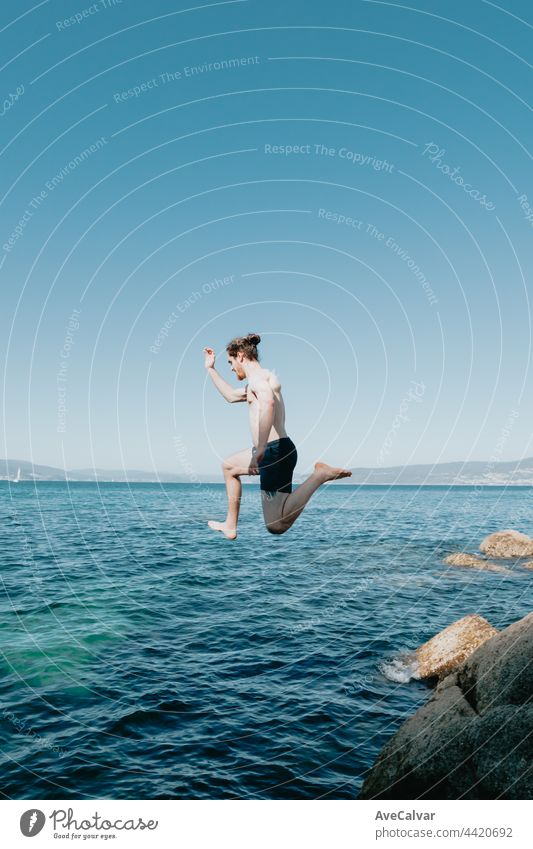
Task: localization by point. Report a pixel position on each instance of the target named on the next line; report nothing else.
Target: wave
(400, 669)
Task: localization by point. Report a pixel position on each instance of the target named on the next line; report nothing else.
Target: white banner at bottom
(254, 824)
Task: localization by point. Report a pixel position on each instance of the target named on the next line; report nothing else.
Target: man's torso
(277, 431)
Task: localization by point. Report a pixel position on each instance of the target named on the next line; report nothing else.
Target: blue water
(143, 656)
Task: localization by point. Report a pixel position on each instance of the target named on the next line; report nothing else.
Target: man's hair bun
(245, 344)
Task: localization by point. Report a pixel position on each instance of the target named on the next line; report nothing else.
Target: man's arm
(231, 394)
(263, 391)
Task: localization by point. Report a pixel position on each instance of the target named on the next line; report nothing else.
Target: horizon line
(123, 470)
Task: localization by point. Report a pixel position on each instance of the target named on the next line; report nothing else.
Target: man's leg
(281, 509)
(235, 466)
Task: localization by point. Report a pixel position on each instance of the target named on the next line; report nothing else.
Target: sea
(144, 656)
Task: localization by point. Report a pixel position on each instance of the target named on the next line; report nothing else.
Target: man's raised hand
(209, 360)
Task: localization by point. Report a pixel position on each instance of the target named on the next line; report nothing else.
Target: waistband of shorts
(283, 440)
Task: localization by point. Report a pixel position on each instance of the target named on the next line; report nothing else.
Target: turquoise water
(143, 656)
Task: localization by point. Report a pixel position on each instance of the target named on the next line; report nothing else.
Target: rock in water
(444, 652)
(472, 740)
(460, 558)
(500, 673)
(507, 544)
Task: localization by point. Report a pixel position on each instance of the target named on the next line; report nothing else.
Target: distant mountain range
(35, 472)
(467, 473)
(470, 473)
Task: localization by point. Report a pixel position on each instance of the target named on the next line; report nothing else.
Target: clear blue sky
(156, 141)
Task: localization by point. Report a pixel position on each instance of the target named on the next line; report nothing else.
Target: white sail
(17, 479)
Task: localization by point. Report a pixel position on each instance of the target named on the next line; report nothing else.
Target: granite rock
(507, 544)
(472, 739)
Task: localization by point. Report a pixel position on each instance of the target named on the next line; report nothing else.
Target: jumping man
(274, 455)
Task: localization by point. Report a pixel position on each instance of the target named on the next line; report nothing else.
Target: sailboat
(17, 479)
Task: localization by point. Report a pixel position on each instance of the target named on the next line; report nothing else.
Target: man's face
(236, 366)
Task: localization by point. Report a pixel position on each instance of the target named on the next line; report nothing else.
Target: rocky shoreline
(473, 739)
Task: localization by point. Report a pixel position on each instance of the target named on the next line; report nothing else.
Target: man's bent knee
(277, 527)
(228, 468)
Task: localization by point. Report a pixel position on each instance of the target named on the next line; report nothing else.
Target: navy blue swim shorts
(277, 466)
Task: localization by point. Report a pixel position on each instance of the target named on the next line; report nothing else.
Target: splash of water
(400, 669)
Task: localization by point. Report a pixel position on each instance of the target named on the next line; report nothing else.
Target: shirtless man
(274, 455)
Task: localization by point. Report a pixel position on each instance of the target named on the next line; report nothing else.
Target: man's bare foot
(331, 473)
(229, 533)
